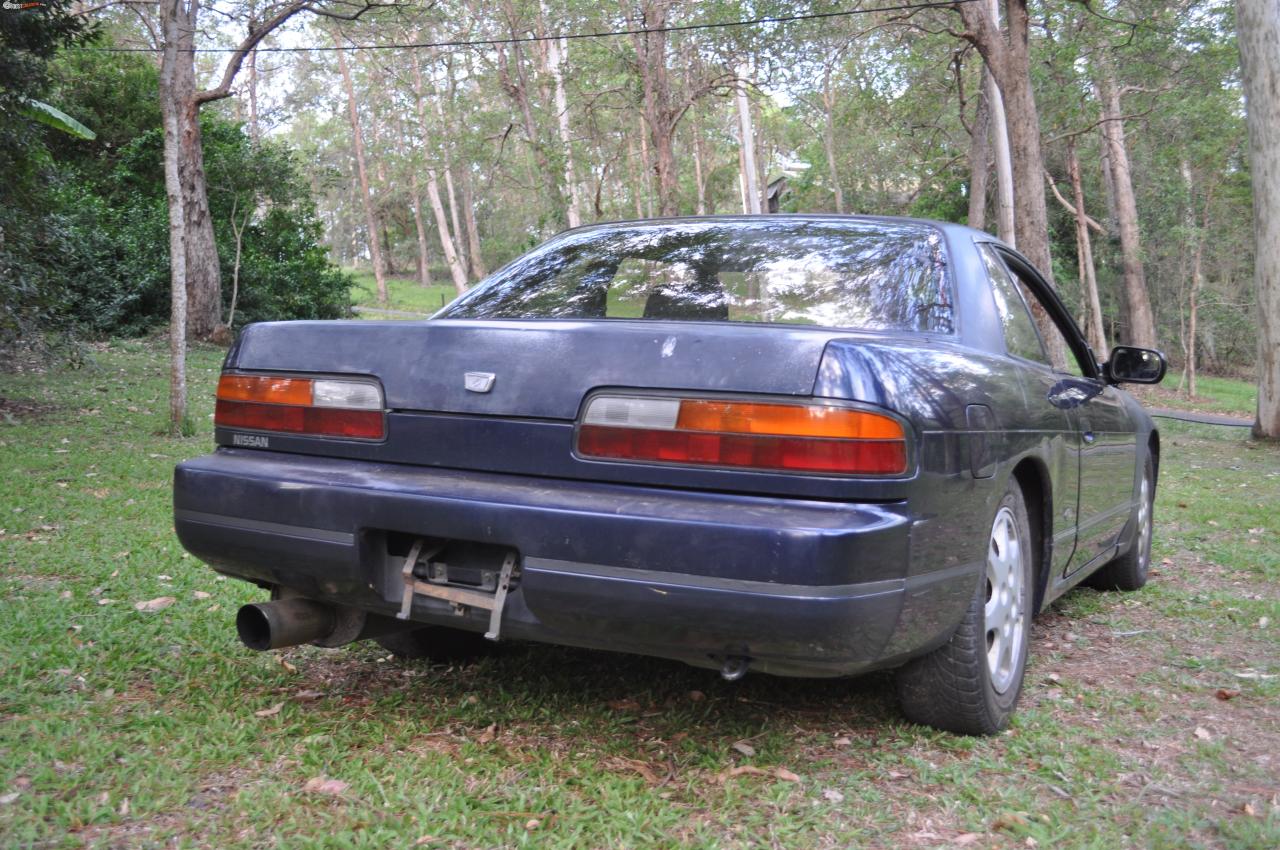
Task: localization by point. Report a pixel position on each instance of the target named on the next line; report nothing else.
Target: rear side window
(853, 274)
(1020, 336)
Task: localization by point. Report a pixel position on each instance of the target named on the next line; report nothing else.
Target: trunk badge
(479, 382)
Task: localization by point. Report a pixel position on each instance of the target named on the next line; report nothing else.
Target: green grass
(403, 294)
(127, 729)
(1213, 395)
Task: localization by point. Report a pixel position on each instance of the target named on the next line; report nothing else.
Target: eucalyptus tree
(1258, 31)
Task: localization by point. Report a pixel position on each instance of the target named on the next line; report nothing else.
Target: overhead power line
(529, 39)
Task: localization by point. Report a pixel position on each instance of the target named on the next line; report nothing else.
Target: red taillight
(317, 406)
(752, 435)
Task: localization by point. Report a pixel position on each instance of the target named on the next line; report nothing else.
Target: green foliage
(87, 251)
(52, 116)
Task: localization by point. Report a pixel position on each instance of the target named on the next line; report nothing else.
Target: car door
(1104, 437)
(1044, 419)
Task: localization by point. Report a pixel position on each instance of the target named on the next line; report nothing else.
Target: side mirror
(1135, 365)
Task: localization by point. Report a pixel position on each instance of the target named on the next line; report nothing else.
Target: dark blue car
(798, 445)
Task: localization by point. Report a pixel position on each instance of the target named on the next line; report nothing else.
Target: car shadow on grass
(618, 698)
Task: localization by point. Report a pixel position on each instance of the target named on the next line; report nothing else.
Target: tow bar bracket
(461, 597)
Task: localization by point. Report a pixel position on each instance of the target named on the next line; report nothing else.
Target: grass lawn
(1213, 395)
(1149, 720)
(404, 294)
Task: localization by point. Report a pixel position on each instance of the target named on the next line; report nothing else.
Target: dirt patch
(15, 410)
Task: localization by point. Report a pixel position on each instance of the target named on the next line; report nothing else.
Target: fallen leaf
(1203, 734)
(200, 594)
(1245, 674)
(488, 734)
(105, 601)
(423, 840)
(269, 712)
(697, 696)
(6, 799)
(307, 696)
(624, 705)
(1225, 694)
(284, 662)
(124, 807)
(1247, 809)
(324, 785)
(843, 742)
(745, 748)
(1263, 622)
(639, 767)
(1009, 820)
(740, 770)
(786, 775)
(967, 838)
(833, 795)
(532, 824)
(163, 577)
(158, 604)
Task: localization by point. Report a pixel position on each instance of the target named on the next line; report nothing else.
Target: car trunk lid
(540, 369)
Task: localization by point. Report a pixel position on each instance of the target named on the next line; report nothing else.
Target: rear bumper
(801, 587)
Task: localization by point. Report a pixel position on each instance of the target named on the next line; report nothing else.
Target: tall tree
(447, 243)
(1258, 33)
(196, 280)
(1007, 53)
(1142, 326)
(362, 171)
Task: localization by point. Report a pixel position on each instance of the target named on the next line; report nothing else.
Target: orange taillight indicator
(325, 407)
(265, 389)
(784, 436)
(786, 420)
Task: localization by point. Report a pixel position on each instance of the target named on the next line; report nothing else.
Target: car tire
(436, 643)
(970, 685)
(1130, 570)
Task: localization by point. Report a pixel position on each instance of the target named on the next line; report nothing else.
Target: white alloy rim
(1004, 615)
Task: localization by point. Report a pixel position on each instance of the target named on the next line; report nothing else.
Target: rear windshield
(851, 274)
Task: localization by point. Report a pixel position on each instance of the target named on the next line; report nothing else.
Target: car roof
(951, 229)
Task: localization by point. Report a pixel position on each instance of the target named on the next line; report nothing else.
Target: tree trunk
(357, 141)
(476, 258)
(659, 113)
(1084, 255)
(237, 230)
(253, 96)
(557, 56)
(380, 212)
(1258, 34)
(699, 171)
(424, 266)
(1142, 329)
(171, 22)
(637, 180)
(979, 159)
(829, 141)
(456, 269)
(646, 168)
(203, 272)
(515, 83)
(1008, 57)
(1006, 228)
(746, 138)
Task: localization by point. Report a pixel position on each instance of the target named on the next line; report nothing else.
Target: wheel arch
(1033, 478)
(1153, 449)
